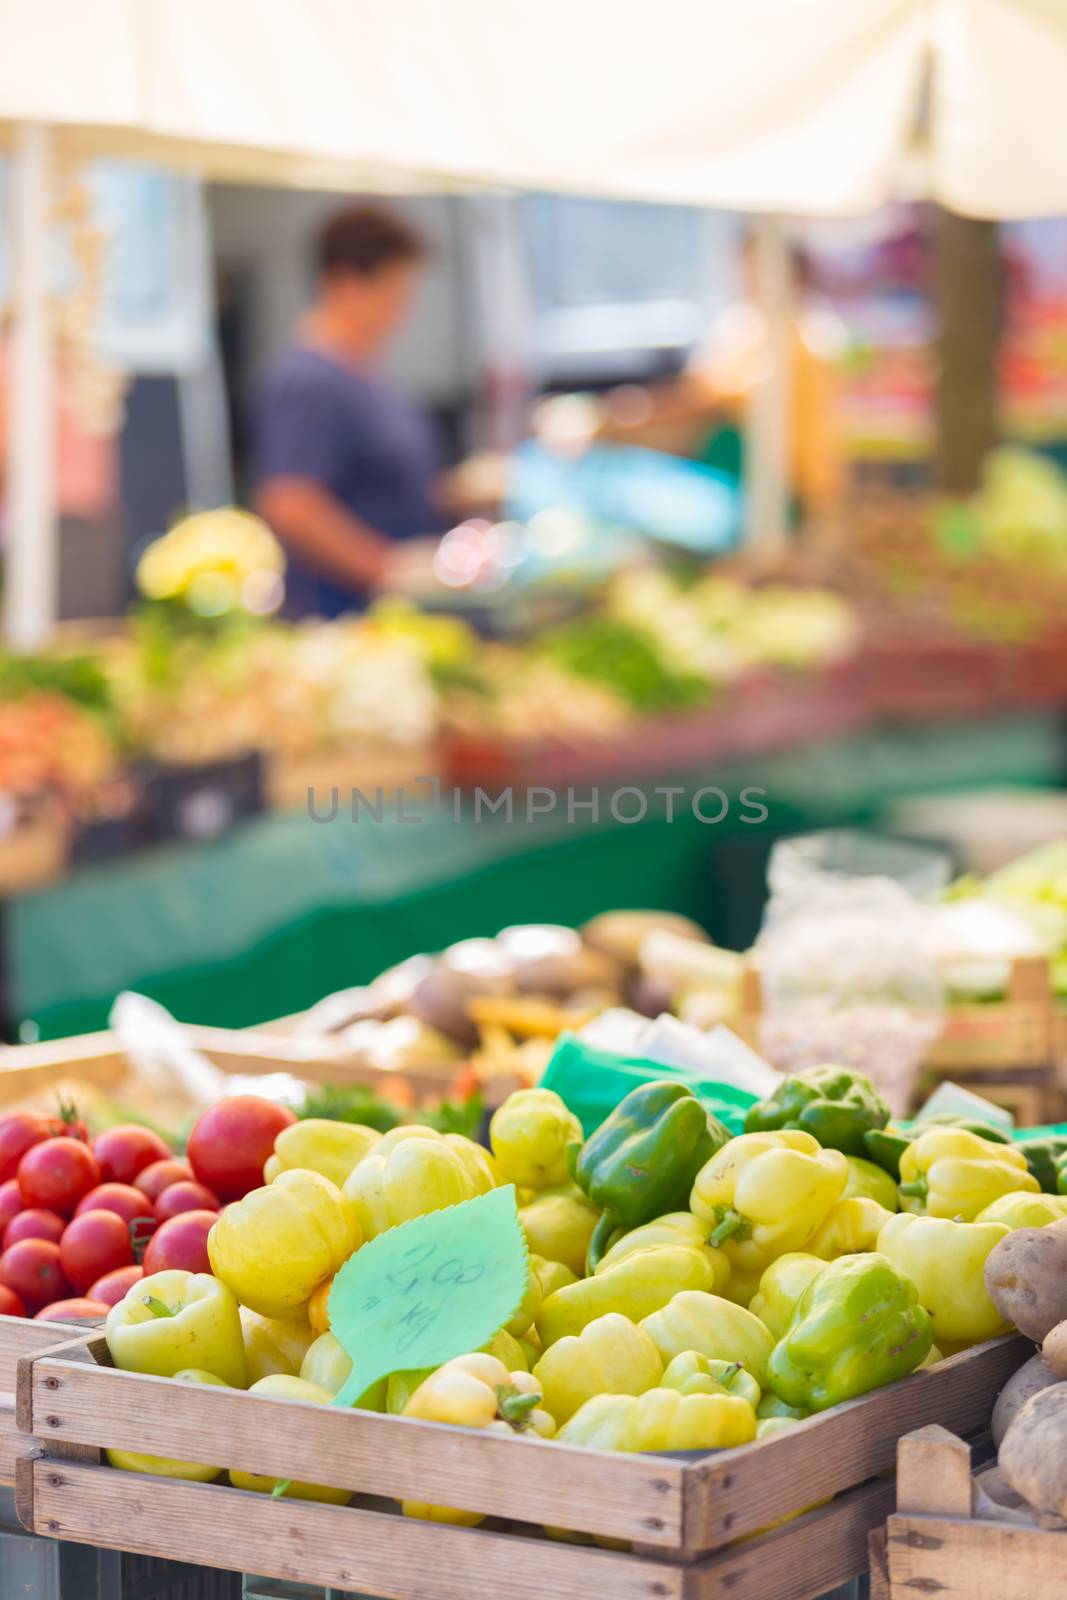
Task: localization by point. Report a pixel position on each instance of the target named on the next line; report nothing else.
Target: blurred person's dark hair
(362, 239)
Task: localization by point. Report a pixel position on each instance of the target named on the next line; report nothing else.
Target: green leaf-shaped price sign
(429, 1290)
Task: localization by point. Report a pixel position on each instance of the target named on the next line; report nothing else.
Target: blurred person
(700, 413)
(346, 465)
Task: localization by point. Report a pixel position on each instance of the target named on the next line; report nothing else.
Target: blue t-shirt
(350, 430)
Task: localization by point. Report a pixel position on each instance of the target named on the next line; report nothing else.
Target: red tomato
(10, 1201)
(33, 1269)
(181, 1242)
(67, 1124)
(34, 1224)
(56, 1174)
(185, 1197)
(121, 1198)
(113, 1286)
(94, 1243)
(18, 1134)
(10, 1304)
(160, 1175)
(231, 1141)
(125, 1151)
(74, 1311)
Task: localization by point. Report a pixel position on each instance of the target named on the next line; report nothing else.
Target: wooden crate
(20, 1337)
(97, 1058)
(1005, 1050)
(936, 1544)
(690, 1521)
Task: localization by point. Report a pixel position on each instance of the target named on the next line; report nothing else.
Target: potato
(1031, 1378)
(1026, 1278)
(1054, 1350)
(619, 933)
(466, 970)
(1033, 1455)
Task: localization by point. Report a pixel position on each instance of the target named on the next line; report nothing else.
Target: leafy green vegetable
(625, 658)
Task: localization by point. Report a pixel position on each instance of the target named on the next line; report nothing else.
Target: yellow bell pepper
(272, 1345)
(407, 1130)
(319, 1145)
(951, 1172)
(611, 1355)
(407, 1179)
(277, 1245)
(280, 1387)
(480, 1166)
(470, 1392)
(327, 1365)
(171, 1321)
(868, 1181)
(528, 1307)
(661, 1419)
(271, 1168)
(531, 1347)
(400, 1386)
(851, 1228)
(166, 1466)
(781, 1286)
(318, 1312)
(765, 1194)
(946, 1262)
(692, 1373)
(714, 1327)
(1025, 1210)
(530, 1135)
(677, 1227)
(638, 1285)
(551, 1275)
(558, 1224)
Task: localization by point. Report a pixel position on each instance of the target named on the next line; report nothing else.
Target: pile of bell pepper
(687, 1289)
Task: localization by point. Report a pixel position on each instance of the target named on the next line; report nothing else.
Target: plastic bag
(847, 976)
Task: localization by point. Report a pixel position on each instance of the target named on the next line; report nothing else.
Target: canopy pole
(767, 424)
(31, 554)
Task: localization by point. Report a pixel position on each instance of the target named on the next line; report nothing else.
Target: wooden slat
(959, 1559)
(19, 1336)
(934, 1474)
(371, 1551)
(801, 1559)
(740, 1490)
(626, 1497)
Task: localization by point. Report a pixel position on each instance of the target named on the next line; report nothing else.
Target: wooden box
(20, 1337)
(1005, 1050)
(937, 1544)
(690, 1521)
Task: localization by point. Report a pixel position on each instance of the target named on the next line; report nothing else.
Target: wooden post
(30, 585)
(968, 294)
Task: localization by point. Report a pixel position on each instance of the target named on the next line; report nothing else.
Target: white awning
(798, 106)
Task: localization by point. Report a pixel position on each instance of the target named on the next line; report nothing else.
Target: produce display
(992, 568)
(688, 1286)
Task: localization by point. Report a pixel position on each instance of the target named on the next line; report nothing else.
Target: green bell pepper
(1061, 1175)
(1043, 1157)
(642, 1160)
(857, 1326)
(885, 1149)
(834, 1105)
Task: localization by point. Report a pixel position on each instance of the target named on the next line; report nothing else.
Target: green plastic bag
(592, 1082)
